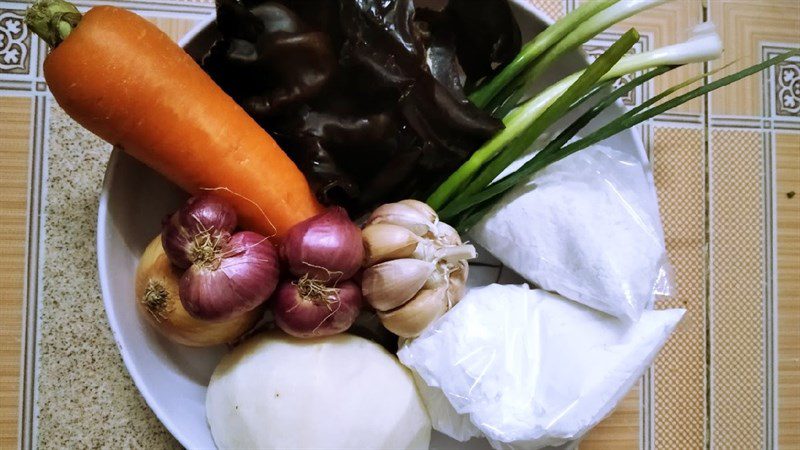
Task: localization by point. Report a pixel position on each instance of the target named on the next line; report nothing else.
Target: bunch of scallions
(470, 192)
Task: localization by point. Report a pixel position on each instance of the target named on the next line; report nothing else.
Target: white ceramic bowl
(173, 378)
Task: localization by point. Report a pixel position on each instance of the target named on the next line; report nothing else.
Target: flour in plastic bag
(529, 368)
(587, 227)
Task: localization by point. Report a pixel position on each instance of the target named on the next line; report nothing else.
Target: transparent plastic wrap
(529, 369)
(587, 227)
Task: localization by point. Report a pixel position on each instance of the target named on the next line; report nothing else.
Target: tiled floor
(728, 172)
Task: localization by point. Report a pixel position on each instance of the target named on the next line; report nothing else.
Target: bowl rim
(102, 251)
(105, 282)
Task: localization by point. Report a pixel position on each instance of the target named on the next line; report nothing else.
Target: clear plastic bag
(587, 227)
(529, 369)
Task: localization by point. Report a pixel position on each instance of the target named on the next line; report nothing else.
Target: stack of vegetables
(201, 283)
(373, 102)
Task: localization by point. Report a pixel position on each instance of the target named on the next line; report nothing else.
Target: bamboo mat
(727, 168)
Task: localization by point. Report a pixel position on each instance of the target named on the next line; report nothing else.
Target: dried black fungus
(366, 96)
(486, 34)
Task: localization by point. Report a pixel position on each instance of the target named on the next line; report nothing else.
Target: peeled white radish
(339, 392)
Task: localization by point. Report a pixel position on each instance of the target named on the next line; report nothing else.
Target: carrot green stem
(52, 20)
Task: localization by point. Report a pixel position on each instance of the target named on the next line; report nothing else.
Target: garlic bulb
(415, 266)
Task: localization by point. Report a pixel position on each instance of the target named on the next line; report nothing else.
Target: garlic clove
(390, 284)
(383, 241)
(421, 207)
(404, 216)
(425, 250)
(447, 234)
(457, 284)
(411, 319)
(437, 278)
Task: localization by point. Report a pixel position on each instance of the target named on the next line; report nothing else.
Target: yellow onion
(415, 266)
(157, 299)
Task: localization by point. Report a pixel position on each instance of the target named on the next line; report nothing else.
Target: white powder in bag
(586, 227)
(528, 368)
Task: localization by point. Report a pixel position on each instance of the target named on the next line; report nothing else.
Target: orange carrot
(123, 79)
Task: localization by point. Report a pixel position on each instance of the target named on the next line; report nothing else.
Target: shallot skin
(316, 315)
(166, 313)
(245, 277)
(327, 247)
(205, 213)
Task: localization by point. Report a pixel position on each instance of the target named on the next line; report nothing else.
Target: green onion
(569, 132)
(702, 46)
(479, 201)
(555, 111)
(543, 41)
(474, 213)
(586, 30)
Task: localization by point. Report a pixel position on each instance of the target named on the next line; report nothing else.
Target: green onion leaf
(629, 120)
(584, 82)
(481, 201)
(513, 93)
(568, 133)
(558, 109)
(533, 49)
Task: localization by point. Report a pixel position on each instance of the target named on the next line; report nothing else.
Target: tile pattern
(745, 26)
(679, 373)
(747, 401)
(14, 138)
(787, 193)
(15, 43)
(620, 430)
(716, 199)
(786, 79)
(738, 287)
(553, 8)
